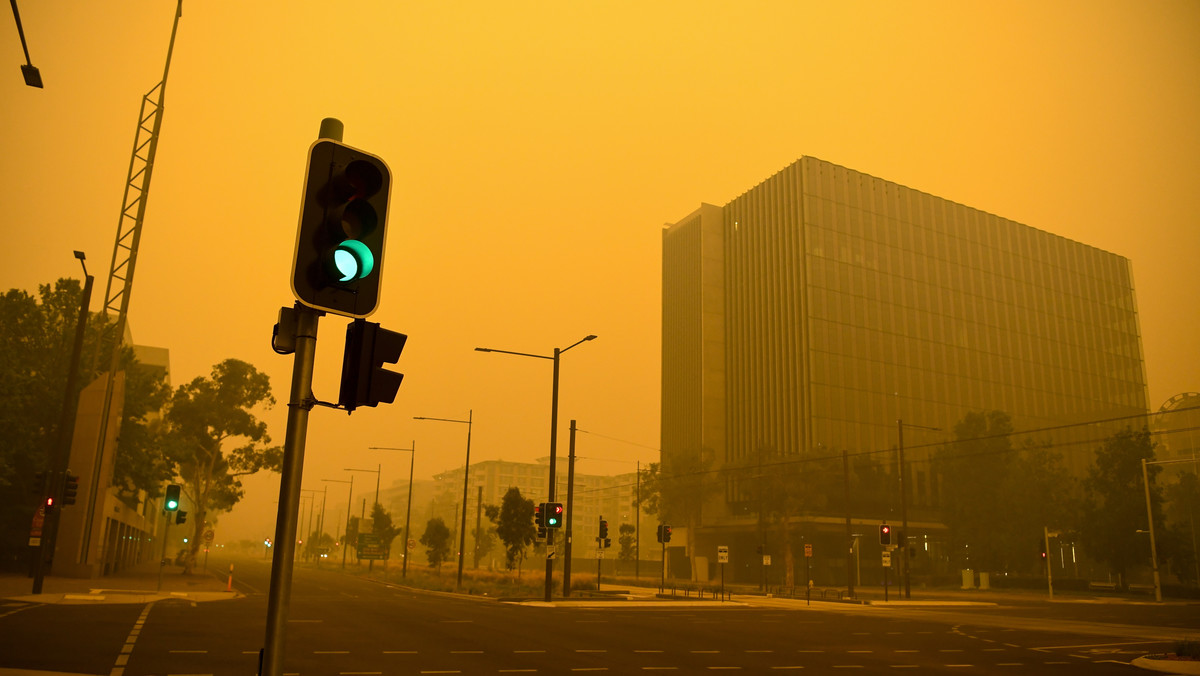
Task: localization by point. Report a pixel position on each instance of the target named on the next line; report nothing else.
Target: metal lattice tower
(125, 252)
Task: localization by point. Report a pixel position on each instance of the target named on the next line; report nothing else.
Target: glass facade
(846, 303)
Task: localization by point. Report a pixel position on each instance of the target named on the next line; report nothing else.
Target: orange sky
(537, 148)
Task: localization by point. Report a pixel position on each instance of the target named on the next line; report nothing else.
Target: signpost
(370, 548)
(807, 575)
(887, 564)
(722, 558)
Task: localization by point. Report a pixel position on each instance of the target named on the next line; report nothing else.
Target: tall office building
(811, 313)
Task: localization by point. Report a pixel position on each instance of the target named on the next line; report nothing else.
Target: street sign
(887, 559)
(722, 554)
(370, 547)
(808, 551)
(766, 559)
(412, 544)
(208, 535)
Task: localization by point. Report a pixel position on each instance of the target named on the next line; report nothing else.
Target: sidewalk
(139, 584)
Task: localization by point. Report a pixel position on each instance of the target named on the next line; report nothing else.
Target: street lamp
(900, 425)
(1150, 520)
(408, 511)
(462, 532)
(553, 447)
(349, 503)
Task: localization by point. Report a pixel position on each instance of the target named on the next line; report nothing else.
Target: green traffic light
(171, 504)
(352, 260)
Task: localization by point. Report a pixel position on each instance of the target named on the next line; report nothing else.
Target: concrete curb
(1153, 663)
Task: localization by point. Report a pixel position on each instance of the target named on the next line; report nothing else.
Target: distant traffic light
(603, 529)
(364, 380)
(180, 517)
(343, 217)
(664, 533)
(171, 502)
(70, 489)
(539, 519)
(885, 535)
(49, 504)
(554, 515)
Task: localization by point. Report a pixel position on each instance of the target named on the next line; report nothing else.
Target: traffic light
(171, 502)
(70, 489)
(180, 517)
(364, 380)
(39, 484)
(554, 515)
(539, 519)
(885, 535)
(49, 503)
(603, 529)
(664, 533)
(339, 243)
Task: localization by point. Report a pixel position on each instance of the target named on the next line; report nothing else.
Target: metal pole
(478, 522)
(1049, 580)
(637, 525)
(849, 527)
(299, 404)
(903, 512)
(553, 481)
(412, 458)
(570, 515)
(349, 506)
(66, 426)
(1153, 550)
(462, 535)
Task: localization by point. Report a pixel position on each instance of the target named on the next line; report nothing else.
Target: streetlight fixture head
(483, 349)
(591, 337)
(79, 255)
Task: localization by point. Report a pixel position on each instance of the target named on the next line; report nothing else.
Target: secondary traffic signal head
(664, 533)
(70, 489)
(180, 517)
(554, 515)
(343, 216)
(364, 380)
(539, 519)
(885, 534)
(171, 502)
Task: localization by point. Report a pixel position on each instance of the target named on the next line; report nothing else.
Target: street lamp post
(900, 425)
(408, 510)
(349, 499)
(553, 447)
(462, 531)
(1150, 520)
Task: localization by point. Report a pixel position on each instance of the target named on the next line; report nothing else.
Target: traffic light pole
(300, 402)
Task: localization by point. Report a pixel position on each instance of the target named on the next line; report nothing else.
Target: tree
(36, 341)
(1114, 507)
(514, 525)
(974, 472)
(204, 417)
(437, 542)
(485, 539)
(1183, 510)
(628, 543)
(677, 488)
(381, 527)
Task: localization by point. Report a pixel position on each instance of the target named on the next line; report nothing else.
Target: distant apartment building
(810, 314)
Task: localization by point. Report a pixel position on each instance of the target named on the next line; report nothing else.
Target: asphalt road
(344, 625)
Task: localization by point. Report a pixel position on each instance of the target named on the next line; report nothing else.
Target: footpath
(138, 584)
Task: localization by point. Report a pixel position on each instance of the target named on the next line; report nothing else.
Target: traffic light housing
(70, 489)
(338, 261)
(664, 533)
(171, 501)
(539, 519)
(180, 517)
(885, 535)
(603, 529)
(554, 515)
(369, 348)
